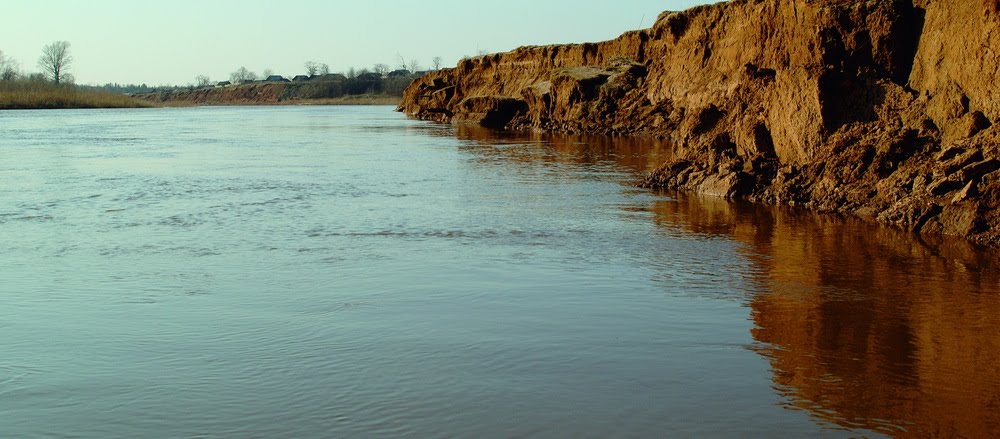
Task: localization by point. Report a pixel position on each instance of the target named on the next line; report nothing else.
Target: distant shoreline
(35, 95)
(362, 90)
(353, 100)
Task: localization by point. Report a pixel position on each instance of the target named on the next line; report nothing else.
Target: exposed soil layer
(272, 93)
(878, 108)
(250, 94)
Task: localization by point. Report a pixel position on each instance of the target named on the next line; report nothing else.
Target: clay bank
(881, 109)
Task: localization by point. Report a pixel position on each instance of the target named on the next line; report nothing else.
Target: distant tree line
(317, 81)
(54, 64)
(313, 69)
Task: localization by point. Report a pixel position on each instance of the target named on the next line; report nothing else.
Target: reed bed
(19, 95)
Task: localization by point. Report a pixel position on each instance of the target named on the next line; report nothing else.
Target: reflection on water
(613, 154)
(867, 327)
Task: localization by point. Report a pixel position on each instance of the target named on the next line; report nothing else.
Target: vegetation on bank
(24, 94)
(53, 88)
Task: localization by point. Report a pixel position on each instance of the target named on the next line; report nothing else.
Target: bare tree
(324, 69)
(202, 81)
(400, 62)
(55, 60)
(381, 69)
(414, 65)
(437, 62)
(9, 69)
(311, 68)
(242, 75)
(352, 73)
(267, 73)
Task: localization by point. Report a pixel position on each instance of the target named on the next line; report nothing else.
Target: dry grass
(20, 95)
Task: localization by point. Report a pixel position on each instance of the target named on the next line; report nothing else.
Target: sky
(172, 42)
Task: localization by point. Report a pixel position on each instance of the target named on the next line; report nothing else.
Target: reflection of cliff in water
(867, 327)
(611, 154)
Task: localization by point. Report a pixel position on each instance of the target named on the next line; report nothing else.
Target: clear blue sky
(129, 41)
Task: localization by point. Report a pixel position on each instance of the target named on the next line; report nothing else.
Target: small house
(401, 73)
(276, 78)
(301, 78)
(224, 84)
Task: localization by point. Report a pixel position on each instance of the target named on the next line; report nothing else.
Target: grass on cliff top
(26, 95)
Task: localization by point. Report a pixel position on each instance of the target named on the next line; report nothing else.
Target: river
(347, 272)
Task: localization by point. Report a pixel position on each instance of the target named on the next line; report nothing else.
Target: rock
(966, 193)
(977, 170)
(950, 153)
(489, 111)
(943, 186)
(973, 123)
(960, 220)
(961, 161)
(729, 186)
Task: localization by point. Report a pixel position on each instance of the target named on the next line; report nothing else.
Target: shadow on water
(864, 327)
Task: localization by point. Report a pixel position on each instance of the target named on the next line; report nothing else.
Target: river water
(347, 272)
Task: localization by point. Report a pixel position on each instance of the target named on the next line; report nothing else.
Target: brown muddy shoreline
(878, 109)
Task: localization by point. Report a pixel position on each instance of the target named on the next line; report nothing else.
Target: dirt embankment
(250, 94)
(355, 91)
(879, 108)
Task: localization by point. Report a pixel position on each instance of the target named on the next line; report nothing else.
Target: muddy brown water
(346, 272)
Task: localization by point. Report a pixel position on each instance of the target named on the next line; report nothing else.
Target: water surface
(338, 272)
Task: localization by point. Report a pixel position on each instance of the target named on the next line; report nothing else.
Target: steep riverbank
(354, 92)
(881, 109)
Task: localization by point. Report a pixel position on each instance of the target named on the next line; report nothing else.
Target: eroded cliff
(883, 109)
